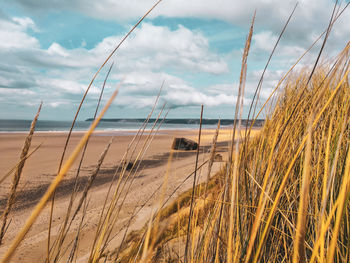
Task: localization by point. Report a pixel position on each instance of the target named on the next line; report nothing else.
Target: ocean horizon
(13, 125)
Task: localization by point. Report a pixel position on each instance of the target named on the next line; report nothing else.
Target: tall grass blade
(40, 206)
(17, 175)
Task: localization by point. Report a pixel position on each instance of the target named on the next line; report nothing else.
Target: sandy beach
(42, 166)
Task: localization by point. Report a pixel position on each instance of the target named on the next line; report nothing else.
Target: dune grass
(298, 208)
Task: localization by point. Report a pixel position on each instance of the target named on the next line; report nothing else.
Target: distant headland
(224, 122)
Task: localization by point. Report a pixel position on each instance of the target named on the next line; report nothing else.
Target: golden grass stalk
(78, 110)
(234, 174)
(293, 66)
(164, 185)
(59, 241)
(324, 185)
(147, 240)
(161, 212)
(110, 220)
(137, 162)
(64, 231)
(301, 94)
(262, 200)
(75, 248)
(17, 175)
(19, 162)
(147, 251)
(340, 201)
(103, 223)
(213, 151)
(343, 197)
(136, 172)
(40, 206)
(258, 88)
(122, 168)
(300, 233)
(293, 178)
(92, 178)
(284, 181)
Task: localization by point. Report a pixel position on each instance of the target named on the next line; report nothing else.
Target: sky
(50, 50)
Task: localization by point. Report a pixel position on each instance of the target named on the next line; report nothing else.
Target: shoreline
(116, 130)
(126, 131)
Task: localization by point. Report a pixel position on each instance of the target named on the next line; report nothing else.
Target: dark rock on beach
(184, 144)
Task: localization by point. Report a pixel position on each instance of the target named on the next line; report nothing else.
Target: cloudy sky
(50, 50)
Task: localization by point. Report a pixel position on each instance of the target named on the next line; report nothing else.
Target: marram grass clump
(292, 186)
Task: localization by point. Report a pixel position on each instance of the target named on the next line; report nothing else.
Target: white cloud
(178, 96)
(147, 82)
(229, 10)
(62, 85)
(56, 49)
(58, 75)
(309, 20)
(57, 104)
(149, 48)
(310, 14)
(13, 35)
(264, 40)
(25, 23)
(156, 47)
(21, 92)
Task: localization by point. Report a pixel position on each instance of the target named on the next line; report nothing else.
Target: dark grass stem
(193, 189)
(73, 195)
(78, 110)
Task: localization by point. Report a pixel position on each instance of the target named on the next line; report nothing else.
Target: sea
(8, 125)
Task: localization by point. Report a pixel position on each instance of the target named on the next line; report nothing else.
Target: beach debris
(184, 144)
(218, 157)
(128, 165)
